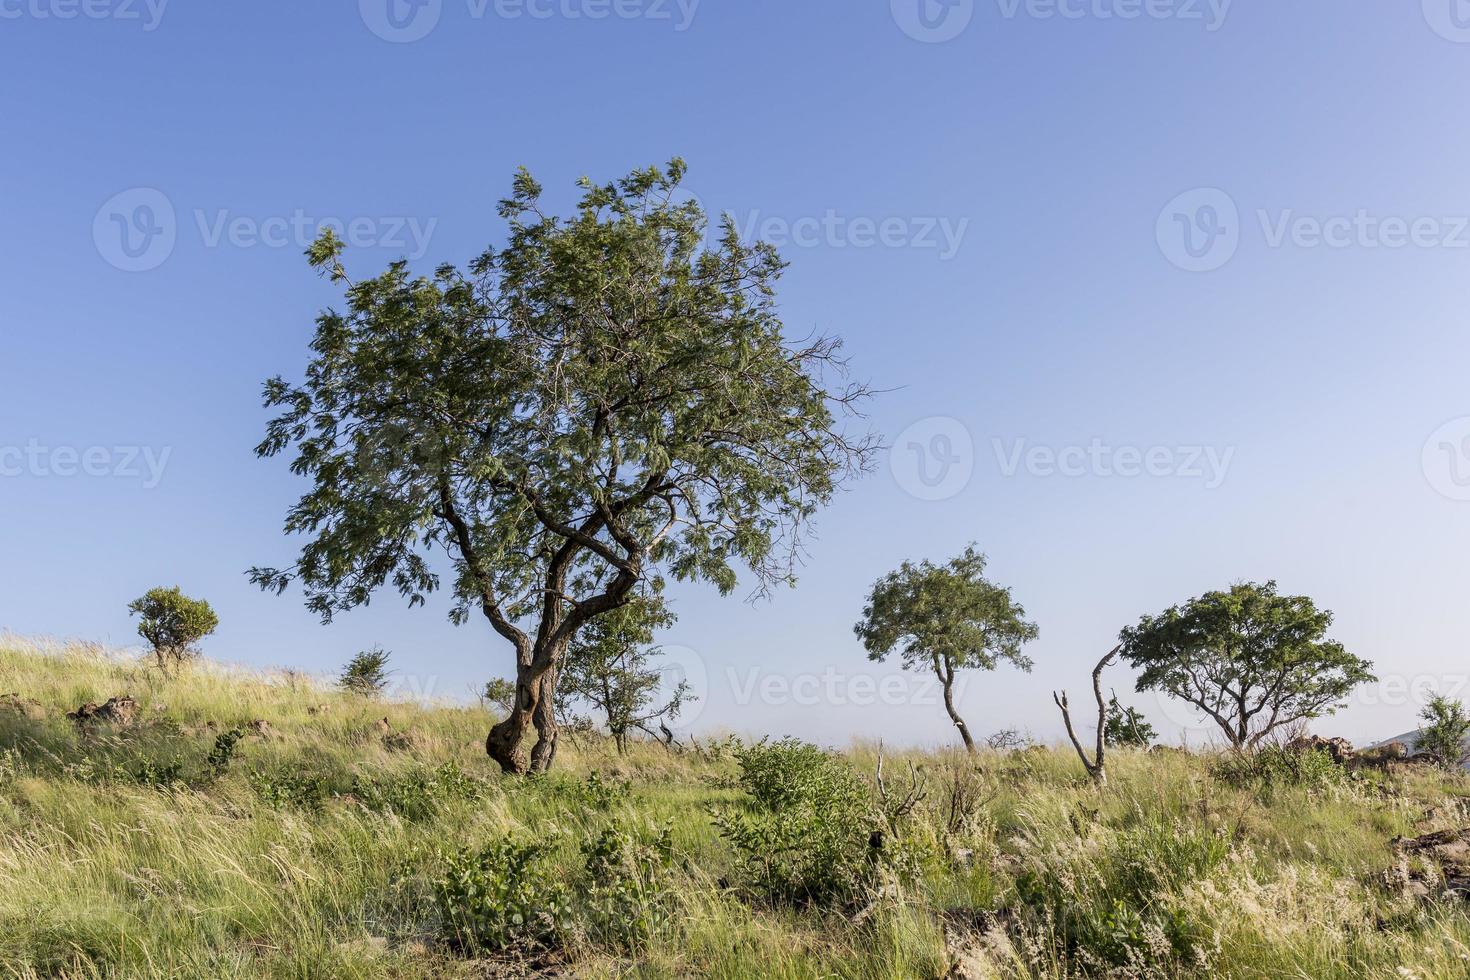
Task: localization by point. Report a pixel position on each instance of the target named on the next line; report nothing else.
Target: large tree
(1251, 659)
(603, 400)
(945, 619)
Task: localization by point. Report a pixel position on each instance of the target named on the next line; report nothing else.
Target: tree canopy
(1251, 659)
(945, 618)
(602, 399)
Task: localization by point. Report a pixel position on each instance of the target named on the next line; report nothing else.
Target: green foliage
(629, 898)
(1110, 908)
(945, 618)
(420, 793)
(608, 669)
(1126, 727)
(172, 622)
(804, 829)
(501, 693)
(600, 401)
(366, 674)
(223, 751)
(1446, 732)
(286, 787)
(1275, 766)
(502, 896)
(1251, 659)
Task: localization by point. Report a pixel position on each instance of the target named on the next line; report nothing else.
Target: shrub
(1446, 729)
(803, 834)
(1276, 766)
(292, 788)
(224, 750)
(173, 623)
(628, 896)
(501, 896)
(366, 674)
(420, 794)
(1126, 727)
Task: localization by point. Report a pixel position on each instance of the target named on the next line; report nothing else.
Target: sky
(1163, 294)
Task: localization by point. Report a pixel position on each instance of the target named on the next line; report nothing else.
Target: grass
(321, 849)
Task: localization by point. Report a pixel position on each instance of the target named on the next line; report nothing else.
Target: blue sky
(1175, 290)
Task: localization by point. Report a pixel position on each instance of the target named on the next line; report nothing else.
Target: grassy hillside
(325, 843)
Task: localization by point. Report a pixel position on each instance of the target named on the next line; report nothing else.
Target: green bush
(1446, 730)
(501, 896)
(628, 896)
(173, 623)
(1275, 767)
(418, 794)
(803, 833)
(366, 675)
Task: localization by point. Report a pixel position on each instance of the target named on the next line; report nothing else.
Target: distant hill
(1411, 739)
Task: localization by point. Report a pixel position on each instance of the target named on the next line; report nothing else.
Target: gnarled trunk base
(535, 707)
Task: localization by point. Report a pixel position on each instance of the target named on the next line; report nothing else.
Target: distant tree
(1446, 733)
(501, 693)
(173, 623)
(366, 674)
(602, 400)
(1252, 660)
(1126, 727)
(945, 619)
(609, 668)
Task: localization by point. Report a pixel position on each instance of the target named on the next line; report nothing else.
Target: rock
(1340, 750)
(261, 727)
(383, 727)
(1447, 850)
(1380, 757)
(121, 712)
(318, 709)
(25, 707)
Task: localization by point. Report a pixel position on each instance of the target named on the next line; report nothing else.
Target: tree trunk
(543, 753)
(946, 677)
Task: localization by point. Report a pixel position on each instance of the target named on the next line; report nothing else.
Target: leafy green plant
(366, 675)
(1126, 727)
(223, 752)
(803, 833)
(628, 897)
(418, 794)
(1445, 736)
(173, 623)
(1276, 766)
(288, 788)
(502, 896)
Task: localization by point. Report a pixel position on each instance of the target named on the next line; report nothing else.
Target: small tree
(1446, 732)
(173, 623)
(603, 400)
(501, 693)
(608, 669)
(1252, 660)
(366, 674)
(1126, 727)
(945, 618)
